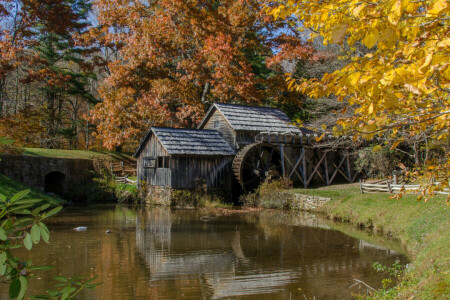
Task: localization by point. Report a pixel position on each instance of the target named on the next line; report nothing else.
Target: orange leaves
(180, 56)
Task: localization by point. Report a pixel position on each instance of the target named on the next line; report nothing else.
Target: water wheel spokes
(255, 163)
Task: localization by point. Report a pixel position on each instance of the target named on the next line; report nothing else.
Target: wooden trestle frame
(305, 160)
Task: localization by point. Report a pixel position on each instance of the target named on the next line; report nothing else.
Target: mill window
(149, 162)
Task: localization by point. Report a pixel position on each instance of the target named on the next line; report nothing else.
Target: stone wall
(158, 195)
(307, 202)
(33, 170)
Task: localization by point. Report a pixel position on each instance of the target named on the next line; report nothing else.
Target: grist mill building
(244, 144)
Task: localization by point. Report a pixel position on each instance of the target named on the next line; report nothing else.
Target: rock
(81, 228)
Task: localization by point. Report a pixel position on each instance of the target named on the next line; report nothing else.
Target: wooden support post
(326, 169)
(283, 169)
(349, 171)
(305, 184)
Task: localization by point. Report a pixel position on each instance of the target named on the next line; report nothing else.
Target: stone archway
(55, 182)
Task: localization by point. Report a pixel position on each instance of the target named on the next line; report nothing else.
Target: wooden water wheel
(255, 163)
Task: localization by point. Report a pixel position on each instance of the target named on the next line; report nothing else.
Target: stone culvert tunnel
(51, 175)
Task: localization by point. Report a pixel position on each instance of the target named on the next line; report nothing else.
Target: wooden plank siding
(244, 138)
(153, 176)
(224, 128)
(189, 171)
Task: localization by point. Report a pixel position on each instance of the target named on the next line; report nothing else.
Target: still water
(200, 254)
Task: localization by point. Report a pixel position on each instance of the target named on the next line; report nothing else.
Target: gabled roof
(252, 118)
(188, 142)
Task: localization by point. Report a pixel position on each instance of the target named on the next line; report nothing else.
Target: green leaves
(18, 287)
(14, 288)
(35, 233)
(52, 212)
(20, 222)
(27, 241)
(3, 236)
(19, 195)
(45, 234)
(69, 287)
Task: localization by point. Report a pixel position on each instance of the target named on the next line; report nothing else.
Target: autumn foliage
(398, 77)
(174, 58)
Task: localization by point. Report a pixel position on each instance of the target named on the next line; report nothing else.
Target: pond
(202, 254)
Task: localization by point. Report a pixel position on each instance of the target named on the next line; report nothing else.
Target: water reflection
(163, 254)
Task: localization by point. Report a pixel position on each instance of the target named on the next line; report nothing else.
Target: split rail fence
(389, 187)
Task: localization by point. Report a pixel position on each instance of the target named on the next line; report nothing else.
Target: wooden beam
(315, 169)
(338, 167)
(294, 168)
(283, 170)
(298, 162)
(345, 176)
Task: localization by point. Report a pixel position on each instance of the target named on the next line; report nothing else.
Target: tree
(52, 66)
(61, 63)
(398, 77)
(177, 57)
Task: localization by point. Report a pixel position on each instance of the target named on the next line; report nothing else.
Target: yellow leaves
(438, 7)
(372, 38)
(395, 145)
(377, 148)
(426, 63)
(318, 139)
(444, 44)
(388, 38)
(338, 34)
(395, 13)
(358, 8)
(354, 78)
(381, 120)
(370, 111)
(368, 131)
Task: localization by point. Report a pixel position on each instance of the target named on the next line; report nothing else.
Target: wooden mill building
(249, 144)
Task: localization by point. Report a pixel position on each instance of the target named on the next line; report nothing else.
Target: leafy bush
(200, 196)
(273, 194)
(7, 146)
(377, 161)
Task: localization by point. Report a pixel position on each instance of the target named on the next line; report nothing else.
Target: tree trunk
(205, 92)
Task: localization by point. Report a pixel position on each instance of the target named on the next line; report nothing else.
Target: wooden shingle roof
(178, 141)
(252, 118)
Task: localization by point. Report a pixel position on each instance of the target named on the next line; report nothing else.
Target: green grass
(10, 187)
(83, 154)
(422, 228)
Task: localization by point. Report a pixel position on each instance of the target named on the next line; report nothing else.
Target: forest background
(82, 74)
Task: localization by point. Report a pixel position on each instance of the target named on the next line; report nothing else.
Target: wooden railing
(125, 180)
(389, 187)
(123, 168)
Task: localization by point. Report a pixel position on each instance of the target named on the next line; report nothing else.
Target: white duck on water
(81, 228)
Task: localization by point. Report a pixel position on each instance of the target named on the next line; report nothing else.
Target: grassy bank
(422, 228)
(10, 187)
(81, 154)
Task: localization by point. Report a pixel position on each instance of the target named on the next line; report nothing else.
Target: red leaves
(180, 56)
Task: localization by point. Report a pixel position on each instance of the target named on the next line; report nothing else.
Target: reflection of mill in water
(225, 261)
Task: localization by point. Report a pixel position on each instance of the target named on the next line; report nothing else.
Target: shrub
(271, 194)
(377, 161)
